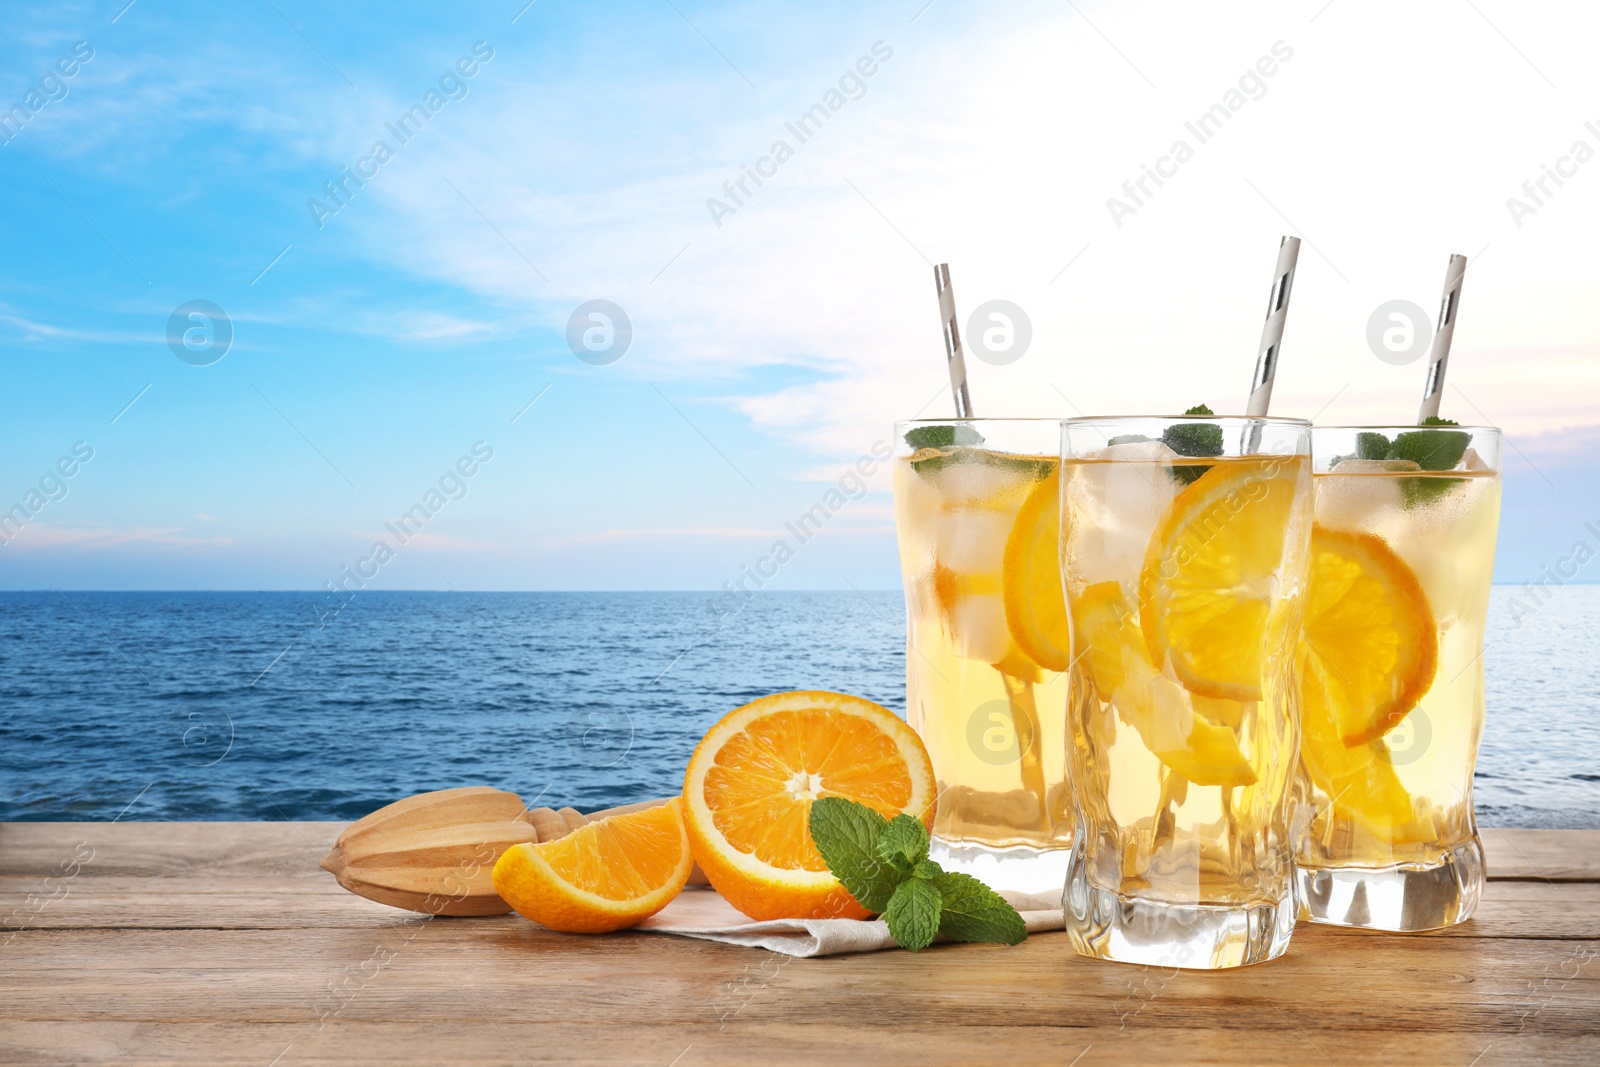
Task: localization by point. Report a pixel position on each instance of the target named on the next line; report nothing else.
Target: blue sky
(371, 352)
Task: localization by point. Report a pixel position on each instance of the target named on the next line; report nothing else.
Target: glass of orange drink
(987, 646)
(1391, 673)
(1184, 551)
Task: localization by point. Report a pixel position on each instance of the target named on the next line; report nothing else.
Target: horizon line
(324, 592)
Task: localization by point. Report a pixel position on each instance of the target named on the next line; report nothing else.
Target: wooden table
(222, 943)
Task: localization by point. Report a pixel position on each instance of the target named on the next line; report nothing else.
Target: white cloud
(38, 535)
(996, 149)
(31, 330)
(992, 139)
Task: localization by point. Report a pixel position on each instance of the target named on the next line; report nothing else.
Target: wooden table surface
(222, 943)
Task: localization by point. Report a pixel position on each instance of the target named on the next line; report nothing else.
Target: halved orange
(1120, 672)
(751, 782)
(607, 875)
(1036, 608)
(1211, 573)
(1368, 618)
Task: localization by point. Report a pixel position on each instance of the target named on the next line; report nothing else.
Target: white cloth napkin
(701, 912)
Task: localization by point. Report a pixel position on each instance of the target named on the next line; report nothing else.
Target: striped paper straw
(953, 354)
(1272, 330)
(1439, 359)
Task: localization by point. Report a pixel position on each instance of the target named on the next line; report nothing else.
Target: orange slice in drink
(1369, 621)
(1360, 782)
(1210, 574)
(1369, 649)
(1119, 669)
(1036, 608)
(1113, 648)
(610, 874)
(751, 781)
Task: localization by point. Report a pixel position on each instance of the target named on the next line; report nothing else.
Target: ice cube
(969, 478)
(1136, 451)
(1115, 507)
(1449, 543)
(970, 540)
(914, 495)
(978, 628)
(1357, 503)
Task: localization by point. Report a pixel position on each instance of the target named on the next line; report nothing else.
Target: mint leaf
(846, 833)
(1126, 439)
(903, 843)
(1372, 446)
(1420, 492)
(973, 912)
(1021, 465)
(950, 436)
(913, 913)
(1432, 450)
(926, 869)
(1193, 439)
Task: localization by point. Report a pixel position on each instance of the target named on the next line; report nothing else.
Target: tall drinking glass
(1184, 554)
(977, 509)
(1391, 673)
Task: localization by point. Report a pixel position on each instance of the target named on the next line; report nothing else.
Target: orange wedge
(1118, 668)
(1036, 609)
(1360, 782)
(608, 875)
(751, 781)
(1368, 618)
(1211, 572)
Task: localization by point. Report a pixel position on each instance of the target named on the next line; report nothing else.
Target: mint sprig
(884, 865)
(1433, 449)
(1193, 439)
(1430, 448)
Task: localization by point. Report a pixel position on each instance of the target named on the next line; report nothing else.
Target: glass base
(1031, 872)
(1403, 898)
(1111, 926)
